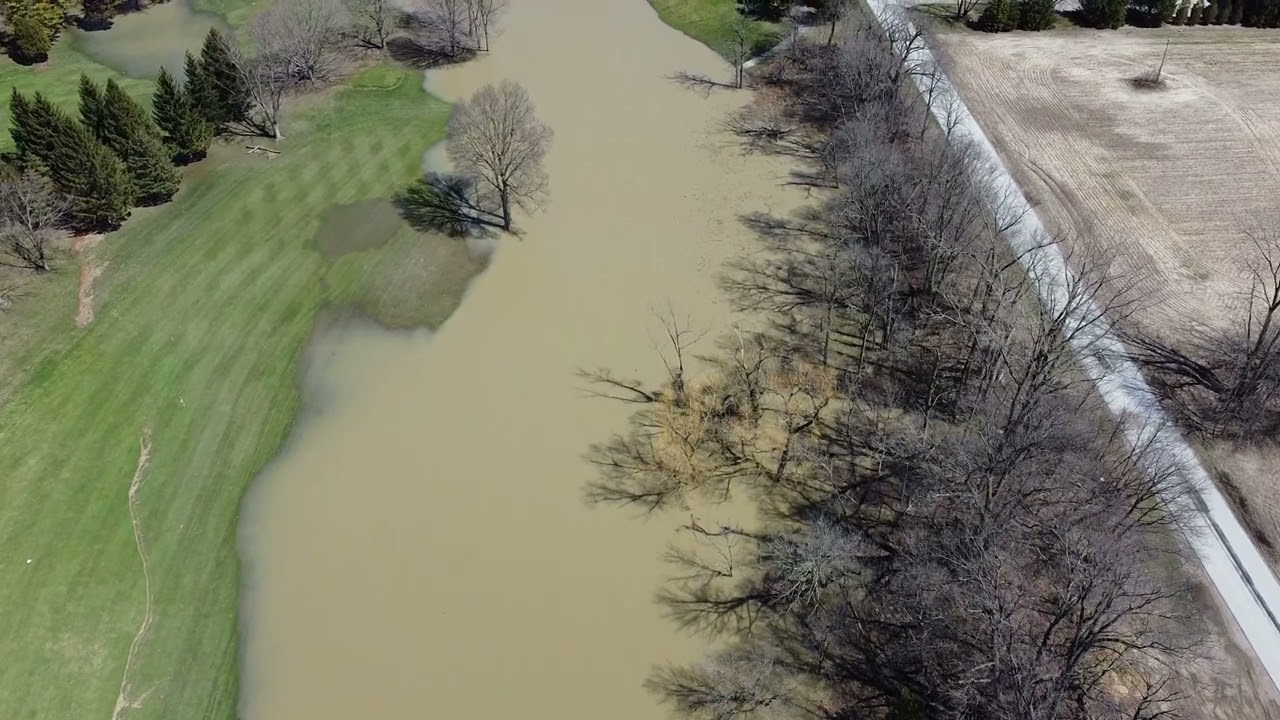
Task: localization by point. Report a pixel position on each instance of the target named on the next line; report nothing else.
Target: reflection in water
(421, 548)
(138, 44)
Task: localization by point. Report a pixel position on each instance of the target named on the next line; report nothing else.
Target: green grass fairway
(202, 314)
(59, 79)
(707, 21)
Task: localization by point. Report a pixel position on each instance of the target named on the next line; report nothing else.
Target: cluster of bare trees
(445, 31)
(1225, 381)
(952, 526)
(299, 44)
(32, 214)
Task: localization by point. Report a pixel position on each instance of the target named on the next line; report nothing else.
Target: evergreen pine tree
(100, 192)
(198, 90)
(1037, 14)
(184, 129)
(1224, 12)
(126, 128)
(32, 128)
(97, 14)
(223, 94)
(91, 108)
(999, 16)
(1103, 14)
(49, 13)
(1157, 12)
(29, 41)
(1196, 16)
(82, 168)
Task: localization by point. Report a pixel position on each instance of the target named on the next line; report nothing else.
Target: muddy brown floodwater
(421, 548)
(139, 43)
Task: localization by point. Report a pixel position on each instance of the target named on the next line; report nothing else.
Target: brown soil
(1221, 680)
(89, 271)
(1165, 183)
(126, 700)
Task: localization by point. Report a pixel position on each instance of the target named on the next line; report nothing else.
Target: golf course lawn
(708, 22)
(202, 314)
(59, 80)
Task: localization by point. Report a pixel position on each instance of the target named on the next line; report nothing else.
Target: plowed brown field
(1165, 183)
(1166, 186)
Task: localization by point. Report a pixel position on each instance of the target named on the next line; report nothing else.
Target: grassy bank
(708, 22)
(203, 310)
(59, 79)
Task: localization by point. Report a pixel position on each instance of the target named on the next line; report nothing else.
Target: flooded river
(139, 43)
(421, 548)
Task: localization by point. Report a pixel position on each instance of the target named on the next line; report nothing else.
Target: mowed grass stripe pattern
(202, 315)
(59, 80)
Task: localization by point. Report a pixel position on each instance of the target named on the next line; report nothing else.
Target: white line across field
(1229, 556)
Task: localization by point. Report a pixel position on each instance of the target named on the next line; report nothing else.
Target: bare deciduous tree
(964, 7)
(495, 137)
(1227, 381)
(297, 41)
(484, 16)
(294, 45)
(740, 46)
(372, 21)
(443, 27)
(32, 212)
(952, 526)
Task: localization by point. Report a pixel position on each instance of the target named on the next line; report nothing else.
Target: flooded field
(138, 44)
(421, 545)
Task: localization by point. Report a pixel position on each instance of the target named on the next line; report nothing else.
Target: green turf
(708, 21)
(202, 315)
(59, 79)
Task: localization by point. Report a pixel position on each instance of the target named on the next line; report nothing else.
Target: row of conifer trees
(116, 155)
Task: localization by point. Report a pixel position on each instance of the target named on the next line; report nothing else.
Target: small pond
(139, 43)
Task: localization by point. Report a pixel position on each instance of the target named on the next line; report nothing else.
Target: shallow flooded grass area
(421, 545)
(139, 43)
(202, 313)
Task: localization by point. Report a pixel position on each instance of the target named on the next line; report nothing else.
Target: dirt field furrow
(1163, 184)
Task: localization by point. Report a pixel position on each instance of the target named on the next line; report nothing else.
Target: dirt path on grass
(422, 545)
(89, 271)
(126, 699)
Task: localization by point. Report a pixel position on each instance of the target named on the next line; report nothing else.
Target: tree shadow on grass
(447, 203)
(411, 53)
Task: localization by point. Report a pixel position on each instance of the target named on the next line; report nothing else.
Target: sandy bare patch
(1247, 475)
(89, 271)
(125, 700)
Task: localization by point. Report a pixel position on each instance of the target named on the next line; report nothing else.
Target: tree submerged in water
(497, 145)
